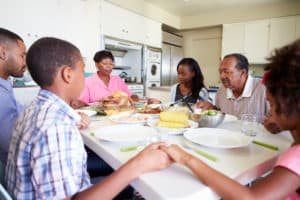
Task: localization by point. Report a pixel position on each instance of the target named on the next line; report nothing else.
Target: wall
(78, 23)
(148, 10)
(256, 70)
(239, 15)
(204, 45)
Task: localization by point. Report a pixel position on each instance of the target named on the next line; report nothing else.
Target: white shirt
(252, 101)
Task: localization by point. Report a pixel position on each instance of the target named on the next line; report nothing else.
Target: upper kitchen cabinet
(123, 24)
(249, 39)
(120, 23)
(282, 31)
(233, 38)
(256, 41)
(153, 33)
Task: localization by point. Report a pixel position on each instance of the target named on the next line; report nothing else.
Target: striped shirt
(252, 101)
(46, 158)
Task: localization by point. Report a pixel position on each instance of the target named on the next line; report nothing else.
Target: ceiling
(196, 7)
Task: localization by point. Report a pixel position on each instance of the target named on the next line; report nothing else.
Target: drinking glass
(249, 124)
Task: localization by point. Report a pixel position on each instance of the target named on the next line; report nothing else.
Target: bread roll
(118, 94)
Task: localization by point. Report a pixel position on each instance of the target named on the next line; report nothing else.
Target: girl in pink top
(101, 84)
(282, 81)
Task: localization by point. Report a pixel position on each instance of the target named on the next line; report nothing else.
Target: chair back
(4, 195)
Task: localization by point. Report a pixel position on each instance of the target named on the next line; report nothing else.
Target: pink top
(291, 161)
(95, 89)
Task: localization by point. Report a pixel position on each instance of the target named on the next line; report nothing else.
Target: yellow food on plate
(170, 119)
(175, 117)
(171, 124)
(179, 109)
(111, 112)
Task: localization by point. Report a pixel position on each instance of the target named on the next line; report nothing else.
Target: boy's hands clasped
(158, 156)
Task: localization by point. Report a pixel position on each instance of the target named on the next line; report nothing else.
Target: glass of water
(249, 124)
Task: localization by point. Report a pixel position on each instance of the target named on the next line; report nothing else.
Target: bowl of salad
(208, 118)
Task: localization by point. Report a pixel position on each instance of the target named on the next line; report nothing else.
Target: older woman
(102, 83)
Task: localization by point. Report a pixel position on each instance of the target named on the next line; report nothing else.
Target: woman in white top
(191, 88)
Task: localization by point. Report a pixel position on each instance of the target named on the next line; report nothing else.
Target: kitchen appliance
(172, 53)
(137, 89)
(128, 58)
(152, 67)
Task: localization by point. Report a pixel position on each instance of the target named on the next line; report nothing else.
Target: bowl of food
(208, 118)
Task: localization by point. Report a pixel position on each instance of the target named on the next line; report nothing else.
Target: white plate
(125, 133)
(171, 131)
(129, 118)
(217, 138)
(87, 112)
(230, 118)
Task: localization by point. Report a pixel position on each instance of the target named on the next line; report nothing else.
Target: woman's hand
(84, 122)
(205, 105)
(177, 154)
(134, 98)
(77, 104)
(270, 125)
(153, 101)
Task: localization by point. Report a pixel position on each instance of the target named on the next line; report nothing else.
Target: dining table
(243, 164)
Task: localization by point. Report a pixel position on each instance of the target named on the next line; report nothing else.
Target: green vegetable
(206, 155)
(269, 146)
(130, 148)
(211, 112)
(99, 110)
(92, 134)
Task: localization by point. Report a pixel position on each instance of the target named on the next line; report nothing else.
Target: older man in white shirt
(240, 93)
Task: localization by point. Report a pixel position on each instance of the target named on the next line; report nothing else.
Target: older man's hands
(205, 105)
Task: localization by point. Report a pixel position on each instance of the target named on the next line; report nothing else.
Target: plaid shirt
(46, 157)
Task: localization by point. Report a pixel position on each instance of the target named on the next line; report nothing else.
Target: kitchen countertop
(25, 86)
(161, 88)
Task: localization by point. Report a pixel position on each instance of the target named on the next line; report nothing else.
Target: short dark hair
(6, 35)
(283, 78)
(100, 55)
(242, 61)
(47, 55)
(198, 80)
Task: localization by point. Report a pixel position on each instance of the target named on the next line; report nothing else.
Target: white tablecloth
(177, 182)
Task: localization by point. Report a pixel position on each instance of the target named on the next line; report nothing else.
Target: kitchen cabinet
(233, 38)
(153, 33)
(123, 24)
(282, 31)
(78, 23)
(249, 39)
(256, 41)
(297, 21)
(120, 23)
